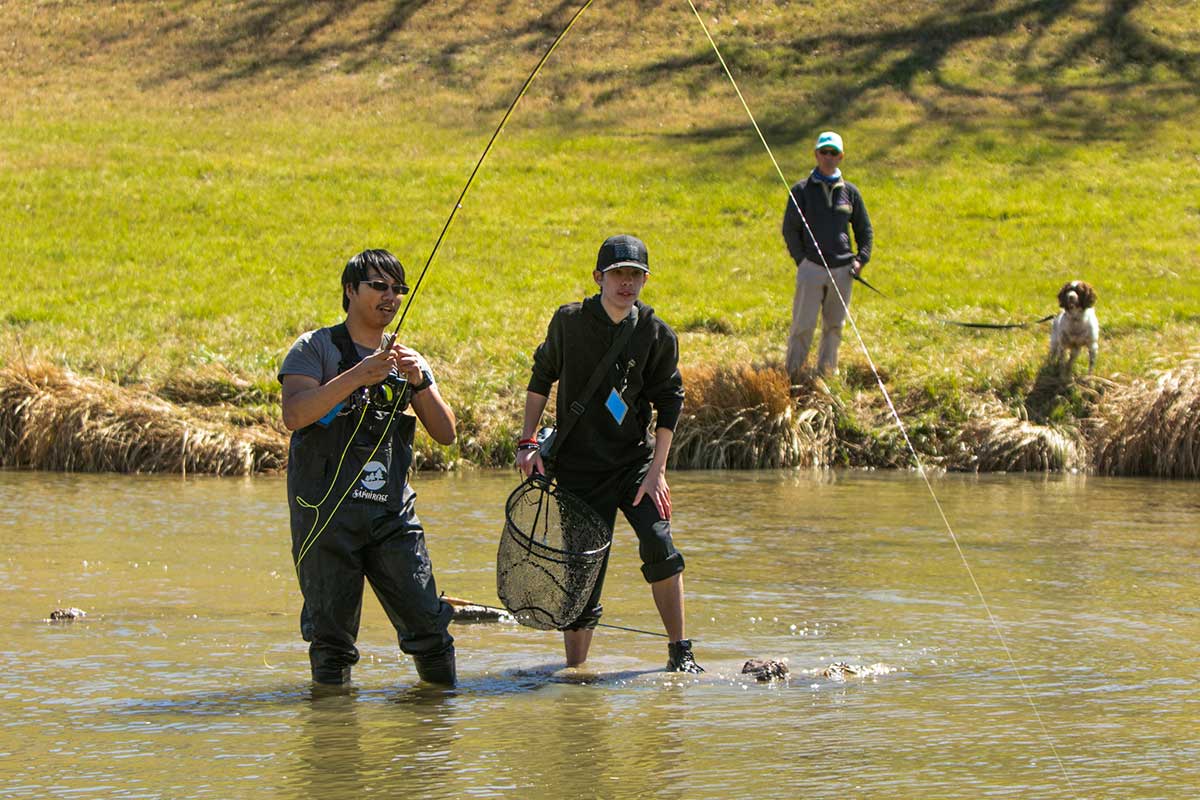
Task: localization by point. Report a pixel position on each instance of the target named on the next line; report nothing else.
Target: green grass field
(183, 180)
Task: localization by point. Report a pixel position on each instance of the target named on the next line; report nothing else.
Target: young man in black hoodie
(610, 459)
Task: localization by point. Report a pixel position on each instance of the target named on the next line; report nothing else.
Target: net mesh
(551, 551)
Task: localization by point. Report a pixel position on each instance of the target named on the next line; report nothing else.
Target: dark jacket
(830, 215)
(577, 338)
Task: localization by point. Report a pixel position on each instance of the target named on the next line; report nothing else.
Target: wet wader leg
(331, 581)
(603, 495)
(592, 609)
(398, 568)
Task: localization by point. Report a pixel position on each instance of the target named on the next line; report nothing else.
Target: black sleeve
(547, 359)
(664, 384)
(793, 224)
(864, 235)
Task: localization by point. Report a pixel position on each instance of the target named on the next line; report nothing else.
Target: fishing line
(495, 135)
(632, 630)
(895, 415)
(313, 533)
(996, 325)
(599, 624)
(312, 537)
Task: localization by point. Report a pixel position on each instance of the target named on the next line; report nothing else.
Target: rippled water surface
(188, 677)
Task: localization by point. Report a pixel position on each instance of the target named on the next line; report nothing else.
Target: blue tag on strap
(616, 406)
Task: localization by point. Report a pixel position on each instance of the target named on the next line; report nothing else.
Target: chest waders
(353, 518)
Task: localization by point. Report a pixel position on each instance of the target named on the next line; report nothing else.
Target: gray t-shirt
(314, 354)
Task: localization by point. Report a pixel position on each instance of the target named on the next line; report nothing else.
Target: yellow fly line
(895, 414)
(314, 532)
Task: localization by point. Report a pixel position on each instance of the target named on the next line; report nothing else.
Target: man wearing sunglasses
(345, 391)
(821, 211)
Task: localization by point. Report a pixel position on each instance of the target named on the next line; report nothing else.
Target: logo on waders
(374, 478)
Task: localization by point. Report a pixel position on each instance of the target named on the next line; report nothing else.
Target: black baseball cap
(623, 251)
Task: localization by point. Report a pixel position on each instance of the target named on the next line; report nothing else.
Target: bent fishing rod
(314, 533)
(482, 157)
(896, 417)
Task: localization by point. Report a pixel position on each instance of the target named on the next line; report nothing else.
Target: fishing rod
(997, 326)
(896, 417)
(860, 278)
(985, 325)
(483, 156)
(314, 533)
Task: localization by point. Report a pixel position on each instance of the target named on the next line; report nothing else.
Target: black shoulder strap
(578, 406)
(345, 345)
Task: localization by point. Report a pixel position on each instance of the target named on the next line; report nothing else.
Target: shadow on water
(510, 681)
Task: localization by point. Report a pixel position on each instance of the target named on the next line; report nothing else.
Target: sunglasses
(382, 286)
(826, 152)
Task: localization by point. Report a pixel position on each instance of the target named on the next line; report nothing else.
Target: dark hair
(359, 267)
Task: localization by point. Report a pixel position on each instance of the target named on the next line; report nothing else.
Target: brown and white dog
(1076, 325)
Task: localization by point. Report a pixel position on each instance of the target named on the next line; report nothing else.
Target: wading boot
(680, 658)
(438, 668)
(331, 676)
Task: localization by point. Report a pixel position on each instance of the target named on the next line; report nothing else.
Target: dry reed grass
(208, 385)
(1152, 427)
(744, 417)
(993, 441)
(56, 420)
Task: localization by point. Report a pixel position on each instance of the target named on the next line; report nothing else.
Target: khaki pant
(815, 294)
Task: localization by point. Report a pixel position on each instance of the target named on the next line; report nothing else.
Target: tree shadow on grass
(1108, 57)
(1079, 63)
(271, 38)
(267, 37)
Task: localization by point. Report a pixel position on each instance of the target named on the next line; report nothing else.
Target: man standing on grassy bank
(824, 258)
(610, 460)
(352, 510)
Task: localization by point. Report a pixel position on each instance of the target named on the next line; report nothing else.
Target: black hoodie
(577, 338)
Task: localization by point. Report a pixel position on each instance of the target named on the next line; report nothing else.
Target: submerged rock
(66, 614)
(765, 669)
(841, 670)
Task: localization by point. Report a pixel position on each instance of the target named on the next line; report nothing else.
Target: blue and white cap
(829, 139)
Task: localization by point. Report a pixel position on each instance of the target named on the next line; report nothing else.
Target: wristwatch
(426, 381)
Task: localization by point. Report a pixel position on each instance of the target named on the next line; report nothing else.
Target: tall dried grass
(56, 420)
(994, 441)
(744, 417)
(1152, 427)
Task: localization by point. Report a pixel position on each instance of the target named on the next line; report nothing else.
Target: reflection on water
(188, 677)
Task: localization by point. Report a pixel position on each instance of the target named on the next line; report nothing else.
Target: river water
(1075, 674)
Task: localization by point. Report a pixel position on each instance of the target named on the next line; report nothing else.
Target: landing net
(550, 555)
